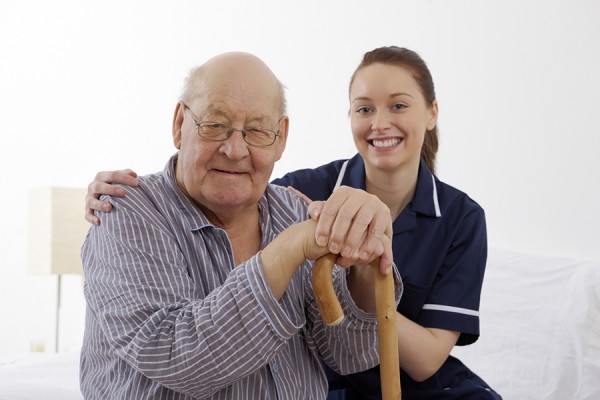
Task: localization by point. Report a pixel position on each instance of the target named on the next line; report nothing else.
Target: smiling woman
(439, 240)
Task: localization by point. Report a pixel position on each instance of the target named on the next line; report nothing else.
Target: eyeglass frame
(231, 129)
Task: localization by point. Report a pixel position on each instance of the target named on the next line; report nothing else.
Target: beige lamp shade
(57, 229)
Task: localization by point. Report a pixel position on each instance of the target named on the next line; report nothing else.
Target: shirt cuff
(277, 316)
(347, 302)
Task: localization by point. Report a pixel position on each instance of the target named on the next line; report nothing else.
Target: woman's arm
(422, 351)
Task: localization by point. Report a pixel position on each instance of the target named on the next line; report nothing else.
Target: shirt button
(274, 368)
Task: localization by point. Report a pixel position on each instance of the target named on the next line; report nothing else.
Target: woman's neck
(395, 188)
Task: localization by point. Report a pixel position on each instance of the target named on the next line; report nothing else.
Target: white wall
(87, 86)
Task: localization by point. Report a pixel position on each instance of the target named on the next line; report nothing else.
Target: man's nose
(235, 148)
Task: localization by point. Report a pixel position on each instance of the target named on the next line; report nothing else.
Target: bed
(540, 328)
(540, 324)
(40, 376)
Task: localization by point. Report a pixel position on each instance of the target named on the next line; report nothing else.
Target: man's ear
(433, 110)
(178, 118)
(283, 134)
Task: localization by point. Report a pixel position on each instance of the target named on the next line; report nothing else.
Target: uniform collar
(425, 201)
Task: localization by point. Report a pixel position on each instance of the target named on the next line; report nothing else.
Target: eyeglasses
(219, 131)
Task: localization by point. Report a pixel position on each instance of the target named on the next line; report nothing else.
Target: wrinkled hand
(356, 225)
(104, 183)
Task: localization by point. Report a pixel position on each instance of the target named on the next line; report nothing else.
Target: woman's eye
(399, 106)
(363, 110)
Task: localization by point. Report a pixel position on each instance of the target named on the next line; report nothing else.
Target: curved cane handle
(327, 301)
(385, 303)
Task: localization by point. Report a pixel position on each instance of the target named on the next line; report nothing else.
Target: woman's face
(389, 116)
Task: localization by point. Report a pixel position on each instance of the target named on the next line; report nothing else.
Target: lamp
(57, 229)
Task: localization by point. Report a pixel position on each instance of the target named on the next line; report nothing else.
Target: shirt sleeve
(154, 317)
(453, 302)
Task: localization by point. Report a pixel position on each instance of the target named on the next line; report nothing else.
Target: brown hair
(402, 57)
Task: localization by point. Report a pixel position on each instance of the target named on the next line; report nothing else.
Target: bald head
(235, 71)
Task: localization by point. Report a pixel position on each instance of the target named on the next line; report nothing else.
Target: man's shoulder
(285, 203)
(151, 187)
(283, 195)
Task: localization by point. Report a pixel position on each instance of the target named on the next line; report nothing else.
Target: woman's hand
(104, 183)
(356, 225)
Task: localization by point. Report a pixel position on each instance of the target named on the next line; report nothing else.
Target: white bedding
(540, 328)
(40, 376)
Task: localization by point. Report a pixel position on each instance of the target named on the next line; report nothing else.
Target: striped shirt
(169, 316)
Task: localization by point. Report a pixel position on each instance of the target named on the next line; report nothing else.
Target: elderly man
(198, 281)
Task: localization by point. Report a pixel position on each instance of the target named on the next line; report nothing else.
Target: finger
(326, 218)
(97, 189)
(130, 172)
(315, 208)
(91, 218)
(360, 236)
(370, 249)
(387, 258)
(340, 210)
(345, 262)
(122, 176)
(298, 193)
(93, 204)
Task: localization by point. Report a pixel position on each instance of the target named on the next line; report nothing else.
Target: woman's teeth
(386, 143)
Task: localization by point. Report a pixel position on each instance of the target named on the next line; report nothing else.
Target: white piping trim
(436, 203)
(458, 310)
(341, 175)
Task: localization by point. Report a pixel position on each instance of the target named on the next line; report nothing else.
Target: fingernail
(105, 207)
(321, 240)
(346, 251)
(334, 248)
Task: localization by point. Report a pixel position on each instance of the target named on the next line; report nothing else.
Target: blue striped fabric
(169, 316)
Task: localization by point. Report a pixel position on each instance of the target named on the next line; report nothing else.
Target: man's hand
(104, 183)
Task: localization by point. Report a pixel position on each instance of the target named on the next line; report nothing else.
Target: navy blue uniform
(440, 249)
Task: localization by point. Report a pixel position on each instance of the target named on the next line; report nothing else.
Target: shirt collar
(195, 219)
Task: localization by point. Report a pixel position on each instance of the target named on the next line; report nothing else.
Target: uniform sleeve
(453, 303)
(152, 314)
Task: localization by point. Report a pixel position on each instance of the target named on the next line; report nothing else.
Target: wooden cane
(385, 303)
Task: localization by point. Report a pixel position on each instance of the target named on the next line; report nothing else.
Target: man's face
(228, 176)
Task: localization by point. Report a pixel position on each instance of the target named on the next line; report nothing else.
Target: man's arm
(158, 319)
